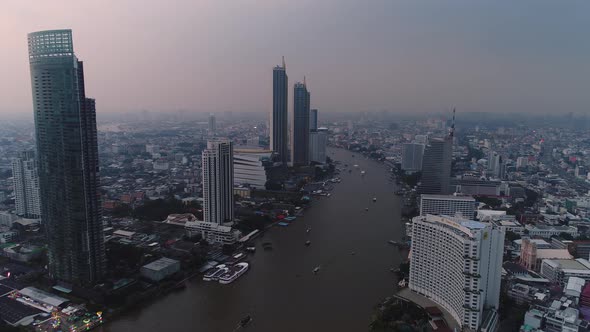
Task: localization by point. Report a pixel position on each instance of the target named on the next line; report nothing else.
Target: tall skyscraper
(313, 119)
(412, 155)
(67, 153)
(457, 263)
(448, 205)
(279, 117)
(301, 103)
(218, 181)
(212, 125)
(436, 167)
(26, 185)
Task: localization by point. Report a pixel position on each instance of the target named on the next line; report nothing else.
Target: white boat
(374, 199)
(233, 273)
(214, 273)
(251, 249)
(362, 172)
(316, 270)
(402, 283)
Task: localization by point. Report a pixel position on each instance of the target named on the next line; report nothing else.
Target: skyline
(402, 56)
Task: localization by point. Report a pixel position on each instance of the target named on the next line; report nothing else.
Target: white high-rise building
(412, 155)
(318, 140)
(218, 181)
(26, 185)
(457, 263)
(447, 205)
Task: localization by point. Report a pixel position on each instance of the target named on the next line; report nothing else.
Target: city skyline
(404, 56)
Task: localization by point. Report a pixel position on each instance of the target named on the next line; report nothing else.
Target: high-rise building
(448, 205)
(279, 118)
(26, 185)
(412, 155)
(301, 103)
(436, 167)
(212, 125)
(313, 119)
(218, 181)
(318, 141)
(67, 154)
(458, 264)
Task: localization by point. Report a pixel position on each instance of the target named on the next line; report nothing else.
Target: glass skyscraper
(436, 167)
(279, 117)
(218, 181)
(67, 153)
(301, 102)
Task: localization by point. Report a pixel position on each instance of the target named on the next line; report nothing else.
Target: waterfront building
(250, 168)
(212, 232)
(212, 125)
(301, 103)
(218, 181)
(67, 154)
(436, 167)
(26, 185)
(457, 263)
(313, 119)
(279, 116)
(448, 205)
(160, 269)
(318, 141)
(412, 154)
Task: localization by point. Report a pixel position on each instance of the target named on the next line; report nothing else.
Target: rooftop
(160, 264)
(448, 197)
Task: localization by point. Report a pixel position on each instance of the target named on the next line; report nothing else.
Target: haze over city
(402, 56)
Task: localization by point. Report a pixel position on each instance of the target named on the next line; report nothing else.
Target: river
(280, 291)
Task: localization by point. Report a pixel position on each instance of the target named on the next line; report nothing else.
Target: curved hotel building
(457, 263)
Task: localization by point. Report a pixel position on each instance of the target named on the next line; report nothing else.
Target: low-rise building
(560, 270)
(212, 232)
(547, 231)
(160, 269)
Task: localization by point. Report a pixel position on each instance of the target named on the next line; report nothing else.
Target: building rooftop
(160, 264)
(43, 296)
(553, 253)
(448, 197)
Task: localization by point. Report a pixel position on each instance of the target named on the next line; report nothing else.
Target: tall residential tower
(301, 103)
(67, 153)
(26, 185)
(279, 117)
(218, 181)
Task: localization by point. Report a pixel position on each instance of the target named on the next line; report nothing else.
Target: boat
(363, 173)
(316, 270)
(366, 209)
(374, 199)
(353, 253)
(214, 273)
(402, 283)
(251, 249)
(245, 321)
(233, 273)
(307, 243)
(308, 230)
(392, 242)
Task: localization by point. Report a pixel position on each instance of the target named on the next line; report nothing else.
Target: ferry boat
(215, 273)
(307, 243)
(308, 230)
(251, 249)
(374, 199)
(392, 242)
(316, 270)
(362, 173)
(233, 273)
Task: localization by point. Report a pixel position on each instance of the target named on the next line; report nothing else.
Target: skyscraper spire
(304, 84)
(452, 133)
(284, 65)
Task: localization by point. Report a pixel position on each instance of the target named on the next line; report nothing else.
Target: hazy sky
(218, 55)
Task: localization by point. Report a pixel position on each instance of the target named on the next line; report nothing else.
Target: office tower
(448, 205)
(218, 181)
(250, 168)
(67, 154)
(318, 141)
(26, 185)
(300, 124)
(279, 117)
(458, 264)
(436, 167)
(212, 125)
(421, 139)
(313, 119)
(412, 155)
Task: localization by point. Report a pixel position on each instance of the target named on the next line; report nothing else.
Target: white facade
(457, 264)
(448, 205)
(26, 185)
(560, 270)
(218, 181)
(250, 169)
(412, 154)
(318, 140)
(212, 232)
(546, 231)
